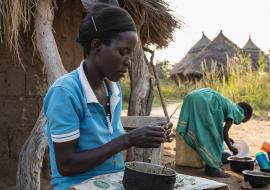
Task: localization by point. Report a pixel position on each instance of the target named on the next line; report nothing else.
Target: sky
(236, 18)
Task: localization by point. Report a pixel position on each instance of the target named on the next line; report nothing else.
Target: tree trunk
(140, 102)
(142, 84)
(31, 155)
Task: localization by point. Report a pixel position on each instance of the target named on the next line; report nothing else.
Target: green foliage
(125, 86)
(170, 91)
(262, 62)
(162, 68)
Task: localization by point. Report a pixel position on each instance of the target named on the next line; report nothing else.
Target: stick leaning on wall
(162, 99)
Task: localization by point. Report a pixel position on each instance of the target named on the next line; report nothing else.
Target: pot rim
(163, 175)
(251, 159)
(253, 173)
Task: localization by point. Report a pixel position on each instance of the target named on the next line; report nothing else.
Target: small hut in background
(205, 53)
(216, 52)
(253, 51)
(179, 68)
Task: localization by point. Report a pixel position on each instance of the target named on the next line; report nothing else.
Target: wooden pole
(163, 103)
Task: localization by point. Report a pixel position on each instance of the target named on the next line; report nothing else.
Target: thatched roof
(15, 19)
(251, 49)
(154, 16)
(218, 51)
(250, 45)
(178, 69)
(155, 19)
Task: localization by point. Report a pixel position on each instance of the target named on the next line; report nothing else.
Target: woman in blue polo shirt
(83, 108)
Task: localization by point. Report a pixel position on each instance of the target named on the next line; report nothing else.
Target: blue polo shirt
(73, 112)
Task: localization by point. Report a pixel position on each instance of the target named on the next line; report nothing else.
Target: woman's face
(113, 60)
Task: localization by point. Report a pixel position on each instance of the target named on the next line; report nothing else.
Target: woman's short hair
(247, 108)
(104, 21)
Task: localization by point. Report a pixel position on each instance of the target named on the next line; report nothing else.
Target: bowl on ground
(238, 164)
(257, 179)
(146, 176)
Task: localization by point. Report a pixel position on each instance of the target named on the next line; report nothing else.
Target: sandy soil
(253, 133)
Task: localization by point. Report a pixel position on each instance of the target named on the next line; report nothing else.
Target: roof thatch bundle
(16, 18)
(154, 16)
(218, 51)
(253, 51)
(155, 20)
(179, 68)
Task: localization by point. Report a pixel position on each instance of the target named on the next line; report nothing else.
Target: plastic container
(185, 155)
(243, 148)
(265, 147)
(262, 160)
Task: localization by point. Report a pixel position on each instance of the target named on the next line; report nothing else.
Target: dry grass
(154, 20)
(16, 17)
(242, 83)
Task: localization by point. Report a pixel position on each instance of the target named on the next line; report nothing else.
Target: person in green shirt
(204, 122)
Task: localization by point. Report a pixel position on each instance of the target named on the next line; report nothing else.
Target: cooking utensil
(257, 179)
(238, 164)
(146, 176)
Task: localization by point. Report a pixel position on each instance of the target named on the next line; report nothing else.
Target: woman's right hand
(234, 150)
(147, 137)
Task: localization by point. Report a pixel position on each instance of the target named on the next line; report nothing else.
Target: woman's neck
(93, 75)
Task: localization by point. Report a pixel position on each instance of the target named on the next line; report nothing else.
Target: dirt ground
(254, 133)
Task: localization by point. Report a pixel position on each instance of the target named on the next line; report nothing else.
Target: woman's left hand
(168, 137)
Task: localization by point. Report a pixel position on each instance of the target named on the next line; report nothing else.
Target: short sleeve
(62, 111)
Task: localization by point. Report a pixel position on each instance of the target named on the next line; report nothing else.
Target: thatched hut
(179, 68)
(253, 51)
(218, 52)
(37, 46)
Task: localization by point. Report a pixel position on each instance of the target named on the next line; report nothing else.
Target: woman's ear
(96, 45)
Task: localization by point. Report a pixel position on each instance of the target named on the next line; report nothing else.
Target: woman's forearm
(226, 129)
(79, 162)
(70, 162)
